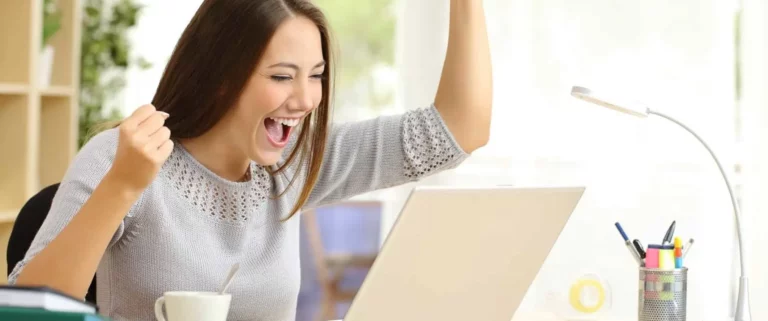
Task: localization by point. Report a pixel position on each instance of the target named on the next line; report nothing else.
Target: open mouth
(279, 129)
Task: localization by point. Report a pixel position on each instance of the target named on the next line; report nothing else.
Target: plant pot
(46, 66)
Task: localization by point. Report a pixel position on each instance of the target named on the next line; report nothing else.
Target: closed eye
(318, 76)
(280, 78)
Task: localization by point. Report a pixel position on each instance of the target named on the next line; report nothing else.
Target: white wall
(755, 111)
(676, 56)
(159, 27)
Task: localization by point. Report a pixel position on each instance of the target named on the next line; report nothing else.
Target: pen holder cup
(662, 294)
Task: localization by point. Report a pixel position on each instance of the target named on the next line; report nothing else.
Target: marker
(668, 236)
(652, 256)
(629, 245)
(667, 257)
(678, 253)
(687, 247)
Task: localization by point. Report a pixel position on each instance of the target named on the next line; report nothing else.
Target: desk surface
(550, 317)
(540, 317)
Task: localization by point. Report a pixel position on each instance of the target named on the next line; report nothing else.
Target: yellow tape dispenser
(588, 297)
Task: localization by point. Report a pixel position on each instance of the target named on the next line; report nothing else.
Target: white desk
(550, 317)
(541, 317)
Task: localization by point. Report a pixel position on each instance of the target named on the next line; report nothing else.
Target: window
(365, 45)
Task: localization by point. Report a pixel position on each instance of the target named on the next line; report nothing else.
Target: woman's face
(285, 87)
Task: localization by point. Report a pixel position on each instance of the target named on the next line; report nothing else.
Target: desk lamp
(637, 109)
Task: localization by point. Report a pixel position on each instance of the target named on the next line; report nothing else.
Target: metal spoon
(228, 281)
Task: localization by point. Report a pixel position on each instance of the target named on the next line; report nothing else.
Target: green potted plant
(106, 57)
(51, 25)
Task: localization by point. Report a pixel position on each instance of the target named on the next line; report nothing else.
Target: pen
(639, 248)
(668, 236)
(634, 253)
(629, 245)
(687, 247)
(621, 230)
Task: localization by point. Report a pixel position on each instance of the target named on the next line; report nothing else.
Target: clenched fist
(143, 147)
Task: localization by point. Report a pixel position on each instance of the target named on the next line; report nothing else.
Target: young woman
(236, 141)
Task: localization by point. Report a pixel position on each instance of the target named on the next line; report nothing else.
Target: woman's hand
(143, 147)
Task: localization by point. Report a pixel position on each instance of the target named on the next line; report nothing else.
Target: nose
(302, 98)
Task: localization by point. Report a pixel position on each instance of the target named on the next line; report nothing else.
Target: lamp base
(743, 312)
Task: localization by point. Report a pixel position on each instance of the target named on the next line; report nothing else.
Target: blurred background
(703, 62)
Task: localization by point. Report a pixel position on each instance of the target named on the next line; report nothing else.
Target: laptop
(463, 253)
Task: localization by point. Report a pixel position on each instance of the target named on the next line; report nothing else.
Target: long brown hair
(215, 57)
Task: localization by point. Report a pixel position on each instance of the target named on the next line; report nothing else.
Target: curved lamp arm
(619, 104)
(743, 312)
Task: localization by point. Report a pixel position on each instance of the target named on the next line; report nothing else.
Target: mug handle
(159, 308)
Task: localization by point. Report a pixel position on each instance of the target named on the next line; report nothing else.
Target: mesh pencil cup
(662, 294)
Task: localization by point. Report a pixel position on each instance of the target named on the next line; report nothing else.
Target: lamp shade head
(617, 104)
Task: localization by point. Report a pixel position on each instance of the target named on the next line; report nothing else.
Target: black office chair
(25, 228)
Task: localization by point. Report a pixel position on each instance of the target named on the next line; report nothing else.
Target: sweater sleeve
(84, 174)
(384, 152)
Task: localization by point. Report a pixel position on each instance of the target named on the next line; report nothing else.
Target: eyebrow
(294, 66)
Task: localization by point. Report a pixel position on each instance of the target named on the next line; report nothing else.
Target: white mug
(192, 306)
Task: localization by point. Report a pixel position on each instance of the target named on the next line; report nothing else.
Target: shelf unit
(38, 124)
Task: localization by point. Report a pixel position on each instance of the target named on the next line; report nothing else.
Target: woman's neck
(217, 153)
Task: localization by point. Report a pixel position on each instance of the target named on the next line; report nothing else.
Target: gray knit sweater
(190, 225)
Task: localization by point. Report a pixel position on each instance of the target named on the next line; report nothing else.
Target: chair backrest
(27, 223)
(352, 229)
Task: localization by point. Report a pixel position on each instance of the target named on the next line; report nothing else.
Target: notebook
(42, 298)
(29, 314)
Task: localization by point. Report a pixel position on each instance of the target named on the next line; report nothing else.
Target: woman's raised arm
(464, 95)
